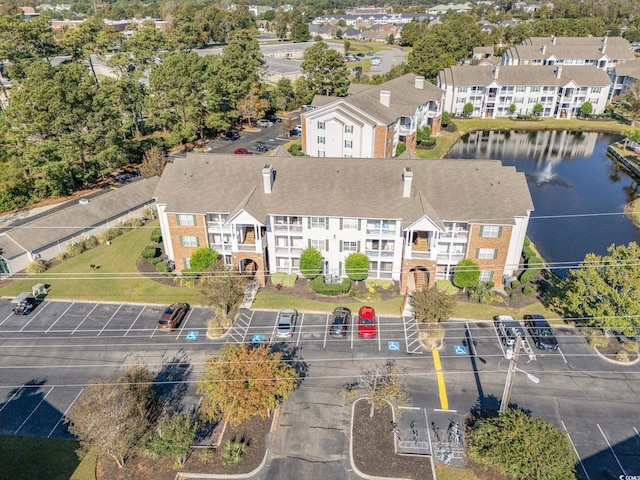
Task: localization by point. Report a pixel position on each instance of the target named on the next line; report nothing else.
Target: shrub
(622, 356)
(445, 119)
(112, 233)
(482, 293)
(91, 242)
(332, 289)
(75, 248)
(528, 290)
(513, 296)
(296, 150)
(289, 280)
(596, 339)
(233, 452)
(515, 283)
(218, 326)
(162, 267)
(446, 286)
(379, 283)
(156, 235)
(466, 274)
(149, 252)
(528, 275)
(155, 260)
(278, 278)
(427, 142)
(527, 252)
(202, 258)
(357, 266)
(629, 346)
(310, 263)
(37, 266)
(400, 148)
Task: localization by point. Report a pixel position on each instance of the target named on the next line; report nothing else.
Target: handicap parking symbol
(460, 349)
(394, 346)
(257, 338)
(192, 335)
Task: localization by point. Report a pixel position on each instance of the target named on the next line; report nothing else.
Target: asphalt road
(49, 356)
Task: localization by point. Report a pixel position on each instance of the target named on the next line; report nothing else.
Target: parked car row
(367, 323)
(509, 330)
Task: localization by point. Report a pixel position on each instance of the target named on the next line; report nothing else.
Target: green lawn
(486, 312)
(117, 279)
(277, 301)
(28, 458)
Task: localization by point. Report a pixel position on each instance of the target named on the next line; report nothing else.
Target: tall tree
(522, 447)
(604, 292)
(243, 381)
(379, 384)
(221, 287)
(631, 101)
(325, 73)
(112, 415)
(177, 97)
(253, 105)
(299, 28)
(23, 41)
(432, 305)
(428, 57)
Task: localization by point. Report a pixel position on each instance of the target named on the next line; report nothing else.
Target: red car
(173, 315)
(243, 151)
(367, 322)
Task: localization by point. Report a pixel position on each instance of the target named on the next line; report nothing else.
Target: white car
(264, 123)
(286, 323)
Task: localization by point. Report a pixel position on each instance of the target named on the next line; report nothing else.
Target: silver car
(286, 322)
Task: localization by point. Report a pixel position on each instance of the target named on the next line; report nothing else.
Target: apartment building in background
(405, 214)
(561, 90)
(372, 120)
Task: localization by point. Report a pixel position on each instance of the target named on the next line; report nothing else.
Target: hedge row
(284, 279)
(321, 288)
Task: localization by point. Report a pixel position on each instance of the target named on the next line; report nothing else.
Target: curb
(353, 465)
(182, 475)
(616, 362)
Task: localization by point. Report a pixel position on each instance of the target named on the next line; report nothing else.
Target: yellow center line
(444, 402)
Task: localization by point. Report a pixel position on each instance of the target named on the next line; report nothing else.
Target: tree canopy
(310, 262)
(432, 305)
(466, 274)
(324, 73)
(356, 266)
(378, 384)
(243, 381)
(522, 447)
(604, 291)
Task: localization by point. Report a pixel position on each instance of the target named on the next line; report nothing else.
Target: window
(189, 241)
(227, 260)
(283, 262)
(218, 218)
(460, 99)
(317, 222)
(317, 244)
(350, 223)
(533, 100)
(596, 89)
(462, 89)
(321, 126)
(492, 231)
(535, 89)
(348, 144)
(348, 129)
(321, 140)
(322, 153)
(520, 88)
(486, 253)
(519, 100)
(486, 276)
(349, 246)
(186, 220)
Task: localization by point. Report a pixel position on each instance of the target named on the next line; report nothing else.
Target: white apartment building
(261, 213)
(372, 120)
(561, 90)
(601, 52)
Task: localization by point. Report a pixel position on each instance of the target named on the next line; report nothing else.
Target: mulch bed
(612, 348)
(359, 289)
(373, 448)
(254, 432)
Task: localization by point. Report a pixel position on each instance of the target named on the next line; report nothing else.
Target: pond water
(578, 192)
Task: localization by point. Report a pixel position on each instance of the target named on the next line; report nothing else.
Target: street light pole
(508, 385)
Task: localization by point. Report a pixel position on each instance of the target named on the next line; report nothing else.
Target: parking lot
(395, 335)
(270, 136)
(84, 319)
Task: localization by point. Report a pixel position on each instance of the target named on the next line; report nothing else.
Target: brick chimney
(385, 97)
(407, 178)
(419, 82)
(268, 177)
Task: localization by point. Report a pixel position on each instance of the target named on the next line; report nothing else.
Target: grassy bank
(116, 279)
(464, 125)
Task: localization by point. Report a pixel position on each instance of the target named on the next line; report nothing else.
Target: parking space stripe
(114, 314)
(472, 348)
(65, 413)
(326, 329)
(244, 335)
(300, 330)
(575, 451)
(8, 317)
(85, 317)
(611, 448)
(59, 317)
(353, 327)
(379, 337)
(34, 410)
(184, 323)
(444, 402)
(12, 397)
(34, 317)
(134, 322)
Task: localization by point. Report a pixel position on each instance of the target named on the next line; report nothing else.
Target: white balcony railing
(246, 247)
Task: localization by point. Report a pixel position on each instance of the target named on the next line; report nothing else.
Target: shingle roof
(363, 188)
(75, 219)
(629, 69)
(518, 75)
(617, 48)
(405, 98)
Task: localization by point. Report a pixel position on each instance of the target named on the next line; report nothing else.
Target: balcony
(419, 254)
(451, 258)
(455, 235)
(246, 247)
(379, 254)
(378, 232)
(288, 228)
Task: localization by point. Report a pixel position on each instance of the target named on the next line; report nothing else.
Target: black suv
(340, 324)
(231, 135)
(541, 332)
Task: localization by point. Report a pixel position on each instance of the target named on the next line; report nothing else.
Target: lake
(578, 192)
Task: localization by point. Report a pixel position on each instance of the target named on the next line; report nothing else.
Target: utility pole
(508, 385)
